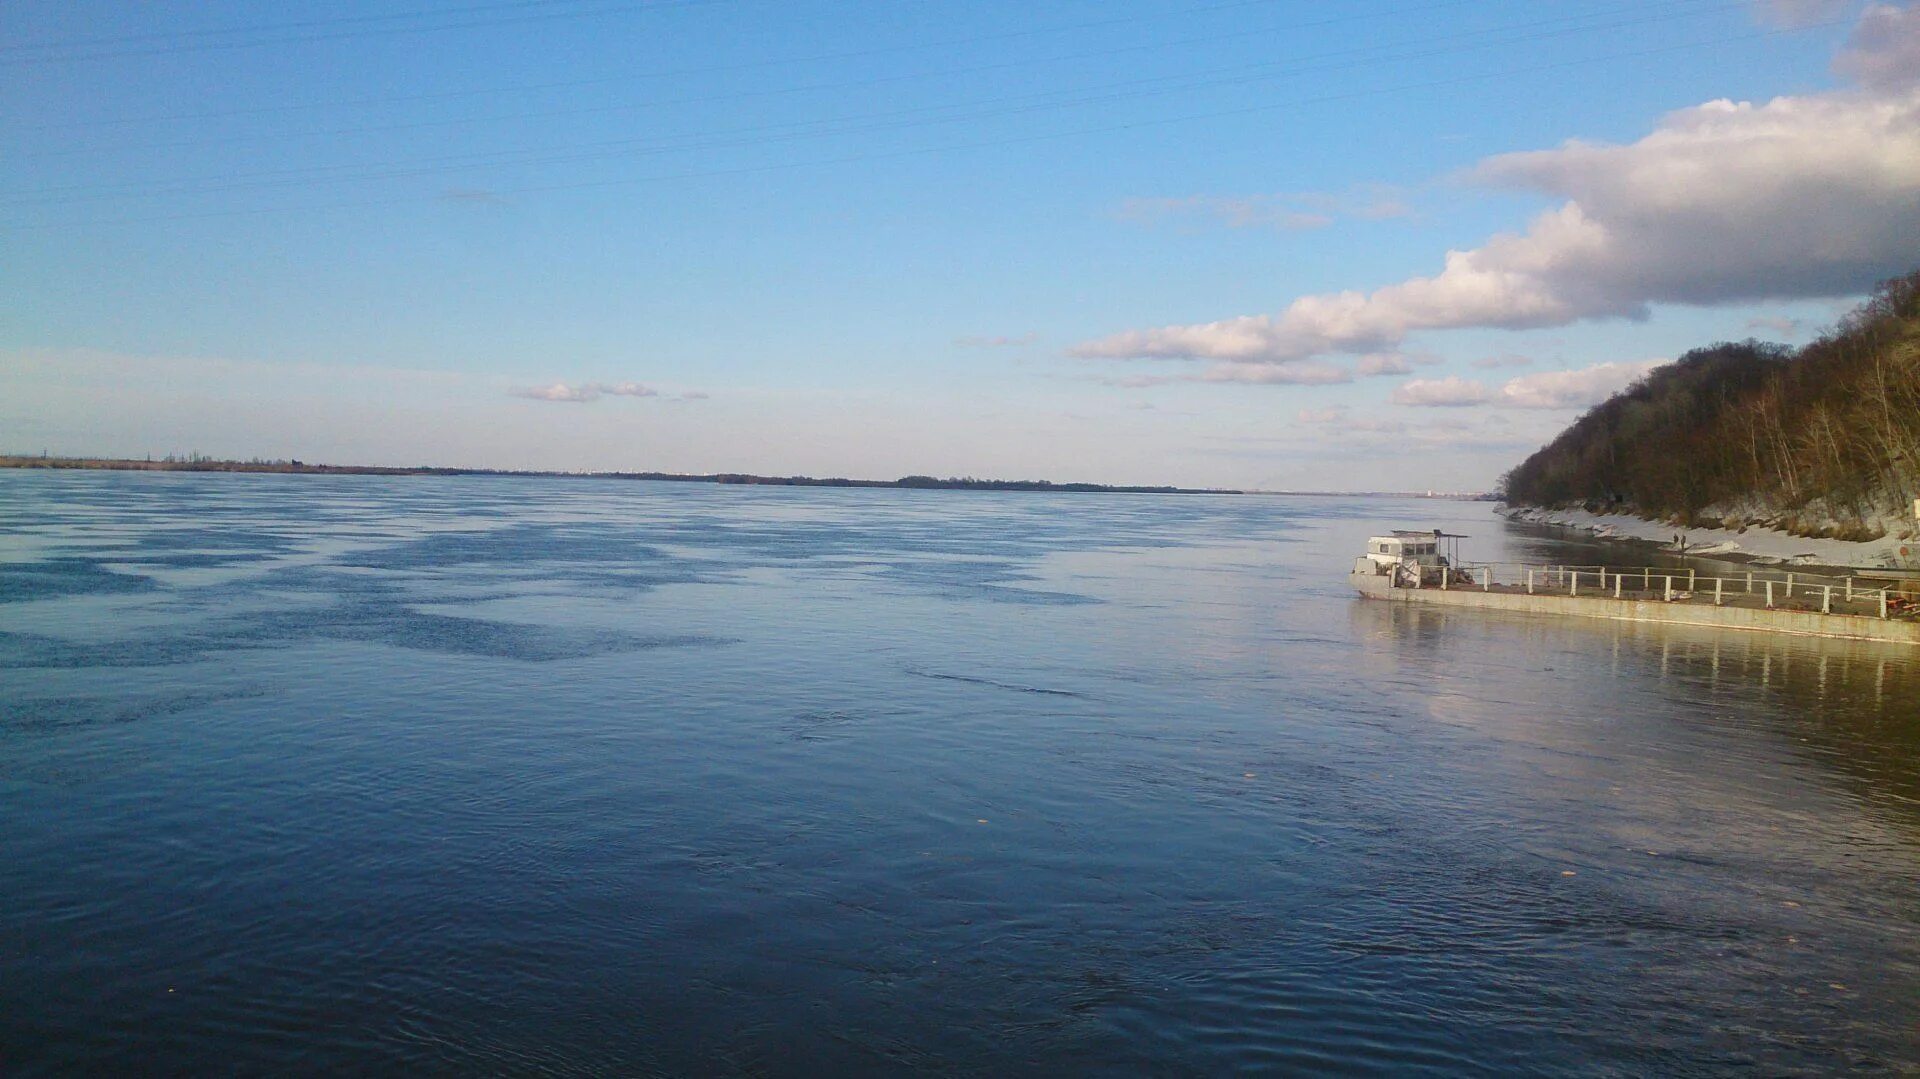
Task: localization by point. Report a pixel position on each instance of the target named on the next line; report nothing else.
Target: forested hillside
(1823, 439)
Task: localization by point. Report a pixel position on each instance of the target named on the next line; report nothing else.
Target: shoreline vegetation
(198, 463)
(1820, 442)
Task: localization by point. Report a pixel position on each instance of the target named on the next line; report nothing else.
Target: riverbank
(301, 468)
(1751, 544)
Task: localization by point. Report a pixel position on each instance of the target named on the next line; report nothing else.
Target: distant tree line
(1828, 430)
(926, 483)
(195, 462)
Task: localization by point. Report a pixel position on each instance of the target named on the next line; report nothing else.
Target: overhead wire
(303, 24)
(708, 99)
(365, 204)
(1182, 119)
(883, 121)
(344, 35)
(713, 69)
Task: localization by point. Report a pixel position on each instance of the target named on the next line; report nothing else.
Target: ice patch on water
(58, 578)
(47, 714)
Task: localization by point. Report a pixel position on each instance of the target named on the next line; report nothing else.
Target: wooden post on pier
(1769, 595)
(1789, 586)
(1529, 582)
(1826, 599)
(1717, 582)
(1573, 585)
(1849, 589)
(1749, 582)
(1486, 580)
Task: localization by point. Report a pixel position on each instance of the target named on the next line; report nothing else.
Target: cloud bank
(1883, 52)
(581, 393)
(1582, 388)
(1286, 212)
(1000, 341)
(1798, 197)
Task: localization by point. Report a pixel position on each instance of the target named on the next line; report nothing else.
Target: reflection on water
(349, 773)
(1853, 706)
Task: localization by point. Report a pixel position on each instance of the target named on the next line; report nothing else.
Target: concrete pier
(1590, 605)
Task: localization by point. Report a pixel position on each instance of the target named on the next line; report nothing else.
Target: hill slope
(1822, 440)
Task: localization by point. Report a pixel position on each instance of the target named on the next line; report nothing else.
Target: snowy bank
(1764, 545)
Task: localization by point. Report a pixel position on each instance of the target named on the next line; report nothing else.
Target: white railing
(1772, 589)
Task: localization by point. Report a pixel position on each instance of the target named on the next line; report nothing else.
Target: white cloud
(1798, 197)
(1582, 388)
(585, 391)
(1265, 374)
(1299, 374)
(1337, 425)
(1449, 392)
(1383, 363)
(1783, 327)
(559, 391)
(1234, 211)
(1883, 52)
(1287, 212)
(1791, 14)
(1508, 359)
(974, 341)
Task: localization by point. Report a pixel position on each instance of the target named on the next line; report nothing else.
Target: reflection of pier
(1408, 567)
(1852, 705)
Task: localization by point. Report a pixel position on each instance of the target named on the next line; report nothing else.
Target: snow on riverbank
(1761, 544)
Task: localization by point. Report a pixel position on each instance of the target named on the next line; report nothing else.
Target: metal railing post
(1826, 599)
(1849, 589)
(1690, 581)
(1883, 603)
(1717, 582)
(1769, 594)
(1529, 582)
(1573, 585)
(1616, 585)
(1486, 583)
(1749, 582)
(1669, 588)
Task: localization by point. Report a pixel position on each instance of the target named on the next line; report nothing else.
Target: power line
(708, 99)
(863, 158)
(472, 24)
(305, 24)
(884, 121)
(715, 69)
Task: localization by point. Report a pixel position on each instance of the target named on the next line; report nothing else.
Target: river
(575, 776)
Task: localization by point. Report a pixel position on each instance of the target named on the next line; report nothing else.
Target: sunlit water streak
(348, 773)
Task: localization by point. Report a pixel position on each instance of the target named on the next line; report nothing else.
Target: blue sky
(870, 239)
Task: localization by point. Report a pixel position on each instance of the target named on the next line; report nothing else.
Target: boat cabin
(1420, 547)
(1413, 558)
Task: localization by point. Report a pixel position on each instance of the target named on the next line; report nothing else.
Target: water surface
(576, 776)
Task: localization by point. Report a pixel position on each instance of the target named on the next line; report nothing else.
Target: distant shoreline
(301, 468)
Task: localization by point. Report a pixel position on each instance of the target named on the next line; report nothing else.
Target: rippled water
(350, 773)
